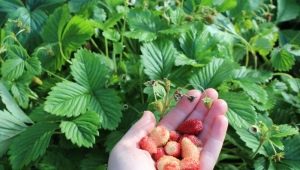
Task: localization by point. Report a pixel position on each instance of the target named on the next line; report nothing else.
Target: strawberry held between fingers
(192, 127)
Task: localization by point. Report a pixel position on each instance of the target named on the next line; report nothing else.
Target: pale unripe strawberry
(160, 153)
(193, 138)
(160, 135)
(189, 149)
(167, 162)
(172, 148)
(189, 164)
(148, 144)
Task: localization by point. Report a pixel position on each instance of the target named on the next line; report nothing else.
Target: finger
(183, 108)
(213, 146)
(201, 110)
(141, 128)
(219, 107)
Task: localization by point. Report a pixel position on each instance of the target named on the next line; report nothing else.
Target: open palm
(126, 155)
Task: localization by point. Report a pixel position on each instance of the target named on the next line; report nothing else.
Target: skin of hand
(126, 155)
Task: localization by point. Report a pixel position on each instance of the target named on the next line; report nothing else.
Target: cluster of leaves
(75, 75)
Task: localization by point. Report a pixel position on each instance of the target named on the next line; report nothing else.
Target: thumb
(141, 128)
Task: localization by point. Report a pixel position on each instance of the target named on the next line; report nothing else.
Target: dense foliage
(75, 75)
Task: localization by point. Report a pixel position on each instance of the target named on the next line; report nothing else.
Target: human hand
(127, 155)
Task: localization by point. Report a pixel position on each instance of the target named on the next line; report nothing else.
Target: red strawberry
(160, 135)
(174, 136)
(166, 162)
(192, 127)
(172, 166)
(193, 138)
(148, 144)
(189, 149)
(172, 148)
(189, 164)
(160, 153)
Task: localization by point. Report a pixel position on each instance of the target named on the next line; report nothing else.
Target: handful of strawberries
(175, 150)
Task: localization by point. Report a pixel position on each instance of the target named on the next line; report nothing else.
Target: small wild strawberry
(174, 136)
(192, 127)
(166, 162)
(148, 144)
(189, 164)
(172, 148)
(160, 135)
(160, 153)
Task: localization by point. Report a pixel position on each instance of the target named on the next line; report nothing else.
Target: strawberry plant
(76, 74)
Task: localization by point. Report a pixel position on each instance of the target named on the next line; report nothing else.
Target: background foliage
(75, 75)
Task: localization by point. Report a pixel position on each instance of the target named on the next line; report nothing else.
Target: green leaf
(213, 74)
(292, 152)
(82, 130)
(182, 60)
(31, 144)
(255, 91)
(111, 21)
(12, 106)
(76, 32)
(281, 131)
(283, 14)
(293, 83)
(282, 60)
(21, 94)
(43, 4)
(260, 164)
(240, 111)
(106, 103)
(51, 34)
(10, 6)
(112, 35)
(10, 126)
(158, 58)
(197, 43)
(264, 42)
(33, 65)
(67, 99)
(55, 24)
(140, 35)
(14, 66)
(89, 69)
(277, 142)
(145, 22)
(258, 76)
(225, 5)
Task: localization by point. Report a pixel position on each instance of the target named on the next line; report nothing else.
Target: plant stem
(54, 75)
(106, 48)
(282, 74)
(256, 151)
(96, 46)
(62, 53)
